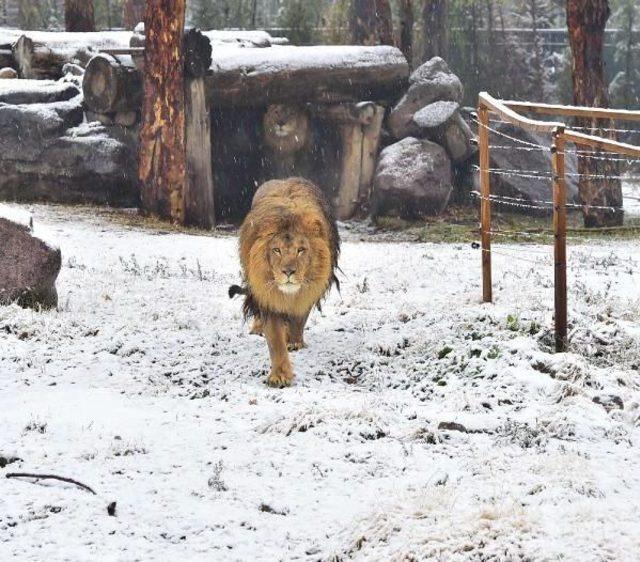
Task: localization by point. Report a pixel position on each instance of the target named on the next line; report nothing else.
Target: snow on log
(261, 77)
(256, 77)
(36, 91)
(42, 54)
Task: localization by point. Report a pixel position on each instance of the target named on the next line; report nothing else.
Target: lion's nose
(289, 271)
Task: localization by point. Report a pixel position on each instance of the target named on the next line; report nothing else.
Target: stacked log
(261, 77)
(41, 54)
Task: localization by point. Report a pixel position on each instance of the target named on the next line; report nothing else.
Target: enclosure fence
(561, 134)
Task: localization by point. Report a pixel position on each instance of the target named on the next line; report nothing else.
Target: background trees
(79, 15)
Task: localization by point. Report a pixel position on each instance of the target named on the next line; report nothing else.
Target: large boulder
(523, 169)
(413, 179)
(46, 154)
(433, 81)
(28, 266)
(442, 123)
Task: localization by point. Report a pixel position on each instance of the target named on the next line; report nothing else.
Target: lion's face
(289, 259)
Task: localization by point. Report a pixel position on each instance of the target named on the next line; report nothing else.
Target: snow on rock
(422, 425)
(19, 91)
(28, 266)
(412, 179)
(433, 81)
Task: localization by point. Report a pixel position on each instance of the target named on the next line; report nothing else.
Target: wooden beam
(573, 111)
(600, 143)
(498, 107)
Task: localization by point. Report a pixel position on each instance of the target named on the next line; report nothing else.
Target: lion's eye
(276, 251)
(301, 251)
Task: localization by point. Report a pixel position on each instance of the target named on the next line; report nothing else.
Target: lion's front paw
(279, 378)
(295, 345)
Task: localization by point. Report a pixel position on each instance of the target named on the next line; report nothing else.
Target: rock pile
(434, 145)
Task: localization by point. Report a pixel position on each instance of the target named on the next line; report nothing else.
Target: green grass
(461, 225)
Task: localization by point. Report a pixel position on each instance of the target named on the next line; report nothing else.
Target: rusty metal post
(485, 202)
(560, 238)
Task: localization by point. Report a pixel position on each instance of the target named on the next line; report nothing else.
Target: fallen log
(42, 54)
(261, 77)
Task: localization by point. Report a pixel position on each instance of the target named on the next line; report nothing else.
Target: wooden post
(370, 145)
(560, 238)
(351, 144)
(485, 203)
(199, 205)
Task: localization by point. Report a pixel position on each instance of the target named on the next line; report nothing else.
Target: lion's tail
(237, 290)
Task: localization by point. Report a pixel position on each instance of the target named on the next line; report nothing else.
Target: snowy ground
(423, 424)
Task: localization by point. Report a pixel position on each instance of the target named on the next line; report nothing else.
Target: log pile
(260, 77)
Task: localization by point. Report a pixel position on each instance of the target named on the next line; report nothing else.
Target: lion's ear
(315, 226)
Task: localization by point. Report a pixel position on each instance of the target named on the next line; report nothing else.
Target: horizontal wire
(504, 199)
(579, 153)
(540, 174)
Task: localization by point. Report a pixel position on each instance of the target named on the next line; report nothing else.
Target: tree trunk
(132, 13)
(406, 30)
(78, 15)
(370, 22)
(435, 28)
(586, 20)
(162, 166)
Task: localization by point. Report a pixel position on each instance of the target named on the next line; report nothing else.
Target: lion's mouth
(289, 288)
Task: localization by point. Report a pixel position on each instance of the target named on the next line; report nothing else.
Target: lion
(289, 247)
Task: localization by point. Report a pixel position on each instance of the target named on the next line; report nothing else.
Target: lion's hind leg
(295, 332)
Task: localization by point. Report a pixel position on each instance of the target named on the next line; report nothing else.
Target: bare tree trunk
(586, 20)
(162, 167)
(370, 22)
(406, 30)
(78, 15)
(132, 13)
(435, 15)
(538, 70)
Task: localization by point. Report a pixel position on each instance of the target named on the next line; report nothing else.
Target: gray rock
(84, 164)
(413, 179)
(8, 73)
(433, 81)
(508, 155)
(28, 267)
(36, 91)
(442, 123)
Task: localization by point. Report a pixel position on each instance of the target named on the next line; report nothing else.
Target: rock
(433, 81)
(507, 154)
(609, 402)
(73, 69)
(8, 72)
(413, 179)
(28, 267)
(442, 123)
(36, 91)
(82, 164)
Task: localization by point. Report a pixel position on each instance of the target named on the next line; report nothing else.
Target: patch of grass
(460, 224)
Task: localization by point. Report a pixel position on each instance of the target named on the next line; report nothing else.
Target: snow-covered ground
(423, 424)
